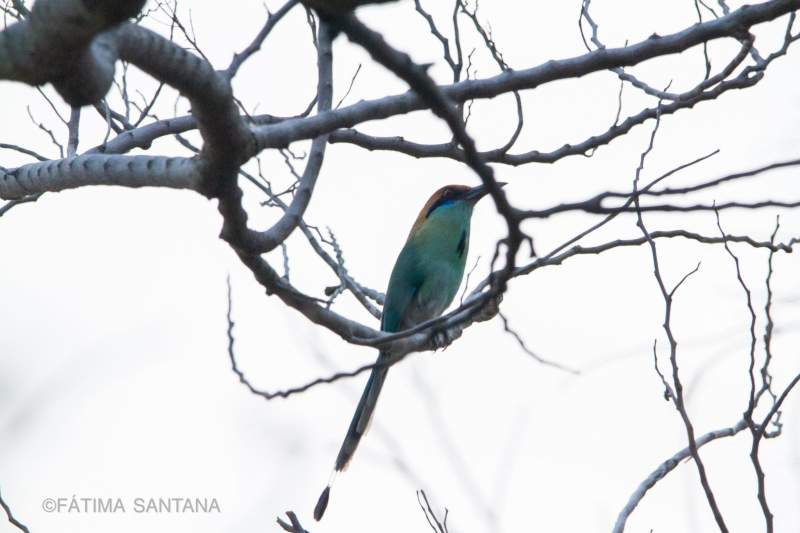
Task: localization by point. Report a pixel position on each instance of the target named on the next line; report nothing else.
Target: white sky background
(114, 374)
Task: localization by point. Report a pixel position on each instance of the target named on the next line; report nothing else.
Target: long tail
(358, 427)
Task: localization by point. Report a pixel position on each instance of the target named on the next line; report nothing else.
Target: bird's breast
(441, 280)
(428, 271)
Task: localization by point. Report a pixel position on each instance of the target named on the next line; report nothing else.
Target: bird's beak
(476, 193)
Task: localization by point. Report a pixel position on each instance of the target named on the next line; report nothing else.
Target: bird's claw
(442, 339)
(490, 309)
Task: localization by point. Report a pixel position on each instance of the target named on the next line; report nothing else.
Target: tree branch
(673, 357)
(14, 522)
(668, 466)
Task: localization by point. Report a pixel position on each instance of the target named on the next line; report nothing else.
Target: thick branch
(57, 43)
(227, 142)
(287, 131)
(84, 170)
(733, 25)
(585, 147)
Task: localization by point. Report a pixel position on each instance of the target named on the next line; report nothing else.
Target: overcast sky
(114, 375)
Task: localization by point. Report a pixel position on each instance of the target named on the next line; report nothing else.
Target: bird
(425, 279)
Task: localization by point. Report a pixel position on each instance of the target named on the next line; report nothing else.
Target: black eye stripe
(445, 198)
(448, 196)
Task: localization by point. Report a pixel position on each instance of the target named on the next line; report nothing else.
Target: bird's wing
(406, 279)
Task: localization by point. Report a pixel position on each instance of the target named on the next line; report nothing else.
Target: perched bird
(425, 279)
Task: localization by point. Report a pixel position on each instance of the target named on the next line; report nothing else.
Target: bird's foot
(489, 309)
(443, 338)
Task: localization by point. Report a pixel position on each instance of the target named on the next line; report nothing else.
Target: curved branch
(668, 466)
(227, 142)
(56, 43)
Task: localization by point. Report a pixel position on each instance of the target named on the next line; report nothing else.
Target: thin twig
(534, 355)
(255, 45)
(14, 522)
(430, 516)
(678, 386)
(751, 404)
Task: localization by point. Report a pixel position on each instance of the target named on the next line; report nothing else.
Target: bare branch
(455, 65)
(491, 46)
(255, 46)
(751, 405)
(14, 522)
(528, 351)
(294, 525)
(49, 133)
(25, 151)
(731, 25)
(669, 394)
(766, 377)
(585, 147)
(9, 205)
(668, 466)
(777, 407)
(74, 127)
(678, 386)
(285, 393)
(234, 229)
(349, 87)
(430, 515)
(557, 259)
